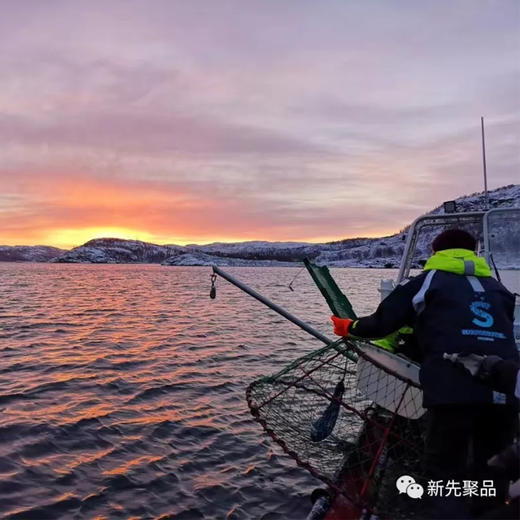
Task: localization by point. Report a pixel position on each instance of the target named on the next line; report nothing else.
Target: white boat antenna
(484, 162)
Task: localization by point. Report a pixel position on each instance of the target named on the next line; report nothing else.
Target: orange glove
(341, 326)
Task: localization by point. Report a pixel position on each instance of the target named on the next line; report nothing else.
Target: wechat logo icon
(407, 484)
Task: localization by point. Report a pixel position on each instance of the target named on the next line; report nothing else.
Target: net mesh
(339, 432)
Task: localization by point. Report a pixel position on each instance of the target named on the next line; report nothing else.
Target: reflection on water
(122, 390)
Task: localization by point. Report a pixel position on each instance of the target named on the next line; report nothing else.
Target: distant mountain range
(354, 252)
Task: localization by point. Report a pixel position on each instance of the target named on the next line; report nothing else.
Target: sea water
(122, 390)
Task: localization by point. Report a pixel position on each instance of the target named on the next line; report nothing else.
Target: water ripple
(122, 391)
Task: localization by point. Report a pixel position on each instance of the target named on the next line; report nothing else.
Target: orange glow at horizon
(68, 211)
(68, 238)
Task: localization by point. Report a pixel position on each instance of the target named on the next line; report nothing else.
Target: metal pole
(273, 306)
(484, 161)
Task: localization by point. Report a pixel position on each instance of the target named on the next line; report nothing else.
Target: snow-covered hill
(199, 258)
(29, 253)
(353, 252)
(118, 251)
(356, 252)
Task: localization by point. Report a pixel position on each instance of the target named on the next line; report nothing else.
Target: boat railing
(463, 220)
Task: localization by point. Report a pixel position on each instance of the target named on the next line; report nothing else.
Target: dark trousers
(460, 439)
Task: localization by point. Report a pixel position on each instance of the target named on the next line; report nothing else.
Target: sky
(197, 121)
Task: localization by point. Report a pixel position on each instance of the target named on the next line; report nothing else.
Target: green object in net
(337, 301)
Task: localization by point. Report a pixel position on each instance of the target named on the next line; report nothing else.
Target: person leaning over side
(454, 306)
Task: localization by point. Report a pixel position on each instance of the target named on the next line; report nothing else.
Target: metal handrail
(412, 236)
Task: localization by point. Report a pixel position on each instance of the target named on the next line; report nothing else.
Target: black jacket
(449, 313)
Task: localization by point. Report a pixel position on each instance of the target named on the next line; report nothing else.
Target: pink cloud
(295, 121)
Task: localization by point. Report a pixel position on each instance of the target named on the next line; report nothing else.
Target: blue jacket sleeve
(394, 312)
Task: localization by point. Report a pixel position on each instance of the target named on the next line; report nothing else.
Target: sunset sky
(197, 121)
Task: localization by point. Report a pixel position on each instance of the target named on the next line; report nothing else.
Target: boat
(498, 231)
(351, 412)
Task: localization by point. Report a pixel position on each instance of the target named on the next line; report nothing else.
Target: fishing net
(352, 422)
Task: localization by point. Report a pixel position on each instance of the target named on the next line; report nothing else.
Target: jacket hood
(458, 261)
